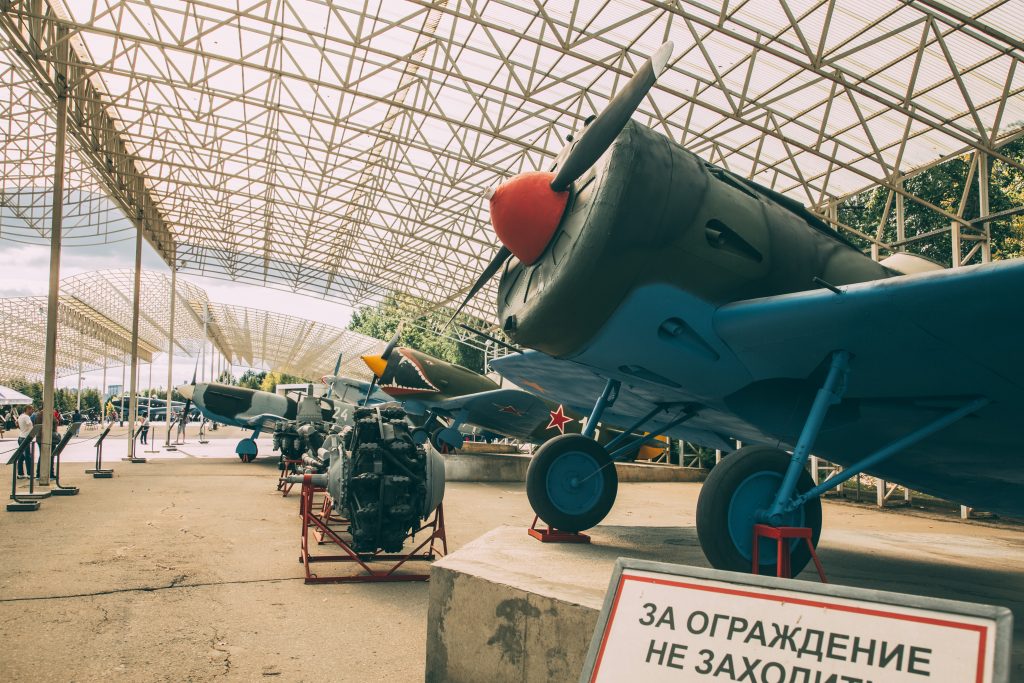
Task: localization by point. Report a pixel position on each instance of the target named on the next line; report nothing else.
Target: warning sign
(664, 622)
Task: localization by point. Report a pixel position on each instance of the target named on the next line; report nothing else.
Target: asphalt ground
(185, 569)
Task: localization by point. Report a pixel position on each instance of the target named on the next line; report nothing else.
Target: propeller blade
(493, 267)
(603, 130)
(369, 392)
(393, 343)
(337, 369)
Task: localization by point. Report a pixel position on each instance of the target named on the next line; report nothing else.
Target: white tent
(10, 397)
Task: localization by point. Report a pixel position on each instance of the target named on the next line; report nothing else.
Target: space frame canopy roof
(344, 149)
(95, 327)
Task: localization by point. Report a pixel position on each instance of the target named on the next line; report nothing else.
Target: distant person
(76, 416)
(24, 430)
(144, 429)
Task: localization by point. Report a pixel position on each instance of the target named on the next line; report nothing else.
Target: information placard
(664, 622)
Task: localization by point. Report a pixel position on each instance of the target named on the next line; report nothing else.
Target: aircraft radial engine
(379, 479)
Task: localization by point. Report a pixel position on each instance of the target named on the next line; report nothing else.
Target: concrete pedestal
(509, 608)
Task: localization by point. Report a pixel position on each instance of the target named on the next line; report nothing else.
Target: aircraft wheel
(446, 445)
(737, 488)
(246, 450)
(571, 482)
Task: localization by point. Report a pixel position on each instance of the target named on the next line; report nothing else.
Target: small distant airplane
(433, 389)
(697, 303)
(254, 409)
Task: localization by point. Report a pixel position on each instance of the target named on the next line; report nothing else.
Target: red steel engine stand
(552, 535)
(283, 485)
(386, 564)
(782, 535)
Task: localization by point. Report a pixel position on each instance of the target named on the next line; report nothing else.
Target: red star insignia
(512, 410)
(559, 419)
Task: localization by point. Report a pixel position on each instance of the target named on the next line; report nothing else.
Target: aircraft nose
(376, 364)
(187, 390)
(525, 213)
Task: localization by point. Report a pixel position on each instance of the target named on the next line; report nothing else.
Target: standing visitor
(24, 429)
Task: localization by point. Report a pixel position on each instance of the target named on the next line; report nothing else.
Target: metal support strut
(831, 393)
(828, 395)
(888, 451)
(606, 400)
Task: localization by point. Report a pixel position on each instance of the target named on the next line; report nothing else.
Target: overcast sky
(25, 272)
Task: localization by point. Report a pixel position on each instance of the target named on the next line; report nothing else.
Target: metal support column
(136, 291)
(56, 227)
(78, 394)
(202, 353)
(103, 388)
(954, 232)
(901, 219)
(170, 353)
(983, 210)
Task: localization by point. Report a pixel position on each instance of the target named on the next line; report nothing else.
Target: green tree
(272, 379)
(225, 377)
(251, 379)
(382, 321)
(943, 186)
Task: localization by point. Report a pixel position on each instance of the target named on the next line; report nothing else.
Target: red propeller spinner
(525, 213)
(526, 210)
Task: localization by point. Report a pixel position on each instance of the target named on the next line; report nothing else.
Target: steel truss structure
(94, 322)
(343, 149)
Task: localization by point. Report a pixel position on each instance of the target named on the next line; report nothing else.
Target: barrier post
(59, 489)
(25, 502)
(132, 457)
(98, 472)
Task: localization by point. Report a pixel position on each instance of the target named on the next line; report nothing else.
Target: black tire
(246, 457)
(552, 472)
(758, 470)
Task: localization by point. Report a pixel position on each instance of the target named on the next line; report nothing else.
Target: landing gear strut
(761, 485)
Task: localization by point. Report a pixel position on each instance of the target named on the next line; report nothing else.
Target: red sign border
(982, 630)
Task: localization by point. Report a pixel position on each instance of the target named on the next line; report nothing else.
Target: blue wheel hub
(757, 492)
(574, 482)
(246, 447)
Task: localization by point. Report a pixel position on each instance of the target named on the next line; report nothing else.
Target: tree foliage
(943, 186)
(382, 321)
(272, 379)
(251, 379)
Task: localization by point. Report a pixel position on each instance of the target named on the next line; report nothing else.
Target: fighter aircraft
(432, 389)
(255, 409)
(694, 302)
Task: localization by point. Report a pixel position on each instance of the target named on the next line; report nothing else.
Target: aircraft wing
(511, 412)
(942, 333)
(263, 420)
(921, 344)
(577, 386)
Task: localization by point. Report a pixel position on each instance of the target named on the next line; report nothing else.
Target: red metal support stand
(433, 546)
(782, 535)
(283, 485)
(552, 535)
